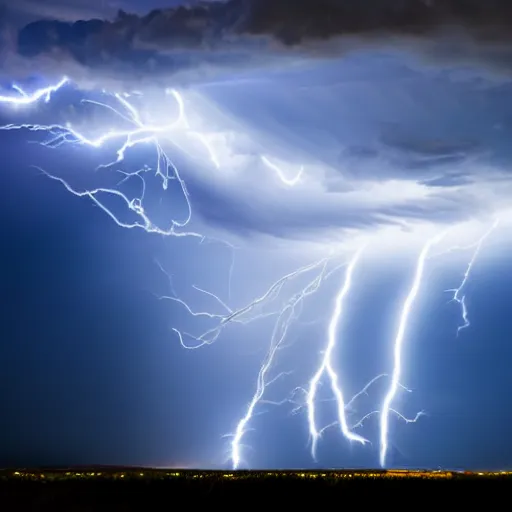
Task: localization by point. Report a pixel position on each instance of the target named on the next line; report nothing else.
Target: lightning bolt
(281, 175)
(281, 327)
(141, 133)
(458, 293)
(326, 366)
(398, 346)
(27, 99)
(250, 312)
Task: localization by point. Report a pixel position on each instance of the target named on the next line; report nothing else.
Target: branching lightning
(140, 133)
(458, 293)
(26, 99)
(326, 366)
(274, 302)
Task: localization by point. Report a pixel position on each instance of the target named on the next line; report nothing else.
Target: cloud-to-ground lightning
(279, 332)
(458, 293)
(326, 366)
(398, 346)
(285, 314)
(179, 133)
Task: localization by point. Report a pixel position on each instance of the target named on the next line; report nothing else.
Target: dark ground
(118, 489)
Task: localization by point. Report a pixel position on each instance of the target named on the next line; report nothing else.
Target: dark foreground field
(122, 489)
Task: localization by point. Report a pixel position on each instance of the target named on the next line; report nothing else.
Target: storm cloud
(237, 32)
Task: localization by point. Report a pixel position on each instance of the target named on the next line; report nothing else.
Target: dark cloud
(163, 41)
(293, 21)
(179, 28)
(217, 27)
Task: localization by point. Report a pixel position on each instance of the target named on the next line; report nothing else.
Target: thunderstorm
(188, 139)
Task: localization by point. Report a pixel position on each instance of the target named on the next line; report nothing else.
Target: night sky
(402, 125)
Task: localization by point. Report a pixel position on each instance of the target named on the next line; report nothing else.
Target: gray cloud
(293, 21)
(221, 33)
